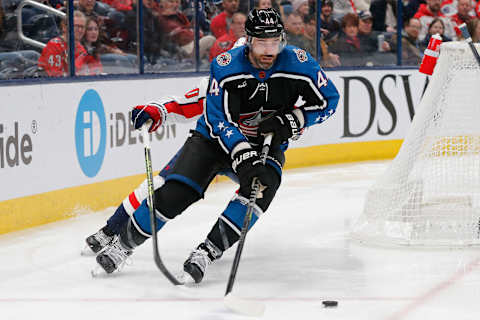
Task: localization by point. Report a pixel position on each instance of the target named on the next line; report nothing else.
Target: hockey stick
(151, 206)
(250, 308)
(463, 28)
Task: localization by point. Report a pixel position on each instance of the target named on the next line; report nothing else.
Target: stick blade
(242, 306)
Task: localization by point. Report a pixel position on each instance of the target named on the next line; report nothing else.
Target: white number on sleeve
(214, 90)
(322, 80)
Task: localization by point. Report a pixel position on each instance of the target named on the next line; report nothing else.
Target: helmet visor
(267, 46)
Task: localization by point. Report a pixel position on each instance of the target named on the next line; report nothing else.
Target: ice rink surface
(298, 254)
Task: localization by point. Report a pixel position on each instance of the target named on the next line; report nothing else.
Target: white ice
(297, 255)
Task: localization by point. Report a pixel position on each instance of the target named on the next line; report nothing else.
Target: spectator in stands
(180, 31)
(54, 57)
(429, 11)
(294, 28)
(368, 37)
(188, 7)
(300, 7)
(120, 5)
(328, 59)
(153, 32)
(463, 14)
(384, 13)
(342, 7)
(411, 54)
(87, 7)
(450, 7)
(348, 43)
(220, 24)
(330, 28)
(474, 29)
(91, 64)
(90, 8)
(310, 32)
(226, 42)
(435, 27)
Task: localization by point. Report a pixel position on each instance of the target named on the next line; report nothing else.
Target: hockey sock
(130, 235)
(226, 230)
(141, 219)
(134, 199)
(116, 221)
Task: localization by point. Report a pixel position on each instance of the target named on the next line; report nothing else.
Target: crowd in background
(353, 32)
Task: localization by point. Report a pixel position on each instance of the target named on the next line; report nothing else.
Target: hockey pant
(199, 161)
(136, 198)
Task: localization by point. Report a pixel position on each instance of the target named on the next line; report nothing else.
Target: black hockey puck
(330, 303)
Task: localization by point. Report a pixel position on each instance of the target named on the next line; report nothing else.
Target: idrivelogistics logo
(90, 133)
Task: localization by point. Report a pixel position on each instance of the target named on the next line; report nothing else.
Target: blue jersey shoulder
(229, 63)
(296, 60)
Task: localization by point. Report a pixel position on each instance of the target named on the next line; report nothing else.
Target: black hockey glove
(283, 126)
(248, 165)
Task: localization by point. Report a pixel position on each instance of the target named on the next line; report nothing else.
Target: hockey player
(186, 108)
(251, 92)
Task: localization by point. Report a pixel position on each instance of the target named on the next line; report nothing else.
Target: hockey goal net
(430, 194)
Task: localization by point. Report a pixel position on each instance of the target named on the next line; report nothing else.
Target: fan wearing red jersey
(54, 57)
(226, 42)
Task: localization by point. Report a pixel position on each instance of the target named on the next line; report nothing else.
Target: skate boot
(114, 256)
(97, 241)
(197, 262)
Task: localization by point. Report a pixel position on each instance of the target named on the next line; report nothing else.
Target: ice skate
(198, 261)
(96, 242)
(114, 256)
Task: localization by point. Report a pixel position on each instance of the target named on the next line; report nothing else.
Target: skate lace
(119, 254)
(200, 258)
(102, 238)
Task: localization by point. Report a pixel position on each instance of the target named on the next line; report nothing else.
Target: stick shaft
(248, 218)
(151, 207)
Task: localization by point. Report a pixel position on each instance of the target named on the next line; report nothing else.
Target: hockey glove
(283, 126)
(154, 112)
(248, 165)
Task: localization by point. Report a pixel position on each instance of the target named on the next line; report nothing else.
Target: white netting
(430, 194)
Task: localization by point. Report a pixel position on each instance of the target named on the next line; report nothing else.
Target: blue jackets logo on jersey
(224, 59)
(248, 122)
(301, 55)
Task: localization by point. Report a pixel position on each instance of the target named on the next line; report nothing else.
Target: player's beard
(267, 63)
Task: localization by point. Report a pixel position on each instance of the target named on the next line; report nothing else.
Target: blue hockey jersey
(239, 96)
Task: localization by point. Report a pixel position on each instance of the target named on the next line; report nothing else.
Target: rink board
(69, 148)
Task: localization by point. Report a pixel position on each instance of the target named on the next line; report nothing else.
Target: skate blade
(87, 252)
(97, 271)
(243, 306)
(183, 277)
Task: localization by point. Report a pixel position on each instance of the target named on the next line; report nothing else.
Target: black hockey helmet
(264, 23)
